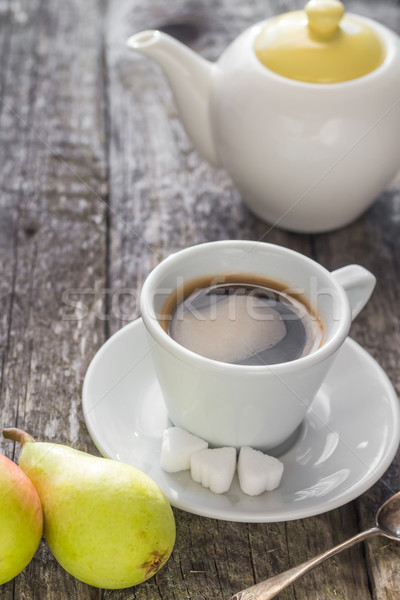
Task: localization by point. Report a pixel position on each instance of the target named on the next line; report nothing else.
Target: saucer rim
(287, 514)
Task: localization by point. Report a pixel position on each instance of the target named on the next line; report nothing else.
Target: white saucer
(346, 442)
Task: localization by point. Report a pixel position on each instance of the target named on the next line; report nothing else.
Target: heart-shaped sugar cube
(258, 472)
(214, 468)
(177, 447)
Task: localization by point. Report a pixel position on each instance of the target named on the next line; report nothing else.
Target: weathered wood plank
(53, 176)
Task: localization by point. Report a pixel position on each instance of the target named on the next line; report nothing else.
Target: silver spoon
(387, 524)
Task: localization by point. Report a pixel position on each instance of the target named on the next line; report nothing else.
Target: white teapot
(302, 110)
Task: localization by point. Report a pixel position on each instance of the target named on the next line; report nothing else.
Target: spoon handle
(265, 590)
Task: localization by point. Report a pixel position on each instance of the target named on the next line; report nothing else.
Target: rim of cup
(161, 337)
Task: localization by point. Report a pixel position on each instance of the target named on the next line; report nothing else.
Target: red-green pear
(107, 523)
(21, 520)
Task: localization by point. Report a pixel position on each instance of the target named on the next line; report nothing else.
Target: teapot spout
(190, 77)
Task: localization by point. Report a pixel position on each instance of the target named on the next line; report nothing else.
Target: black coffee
(242, 320)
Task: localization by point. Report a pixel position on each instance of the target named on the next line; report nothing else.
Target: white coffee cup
(240, 405)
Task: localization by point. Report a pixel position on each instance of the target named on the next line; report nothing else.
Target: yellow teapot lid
(319, 44)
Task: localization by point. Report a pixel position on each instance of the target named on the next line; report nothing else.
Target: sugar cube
(258, 472)
(214, 468)
(177, 447)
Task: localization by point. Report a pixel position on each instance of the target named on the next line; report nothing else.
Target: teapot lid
(319, 44)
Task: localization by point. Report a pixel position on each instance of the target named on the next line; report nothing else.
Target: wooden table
(99, 183)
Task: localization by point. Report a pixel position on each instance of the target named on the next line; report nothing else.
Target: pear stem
(17, 435)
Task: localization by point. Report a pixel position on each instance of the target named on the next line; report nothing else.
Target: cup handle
(358, 284)
(393, 182)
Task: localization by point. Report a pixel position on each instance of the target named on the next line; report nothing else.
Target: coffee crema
(242, 319)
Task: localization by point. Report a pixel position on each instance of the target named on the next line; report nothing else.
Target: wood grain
(53, 233)
(99, 183)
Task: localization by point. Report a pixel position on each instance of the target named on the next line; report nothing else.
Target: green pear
(21, 520)
(107, 523)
